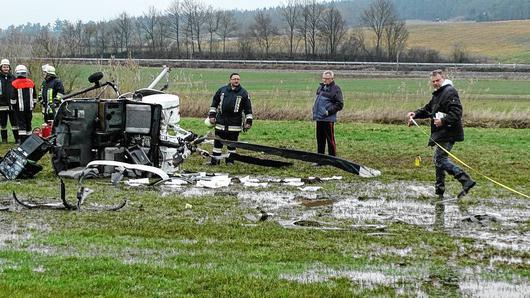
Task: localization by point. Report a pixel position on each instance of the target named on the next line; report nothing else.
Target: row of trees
(190, 29)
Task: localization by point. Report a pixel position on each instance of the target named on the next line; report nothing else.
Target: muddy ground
(498, 223)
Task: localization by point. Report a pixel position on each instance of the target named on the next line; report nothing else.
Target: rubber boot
(16, 136)
(214, 161)
(439, 186)
(4, 136)
(229, 161)
(467, 183)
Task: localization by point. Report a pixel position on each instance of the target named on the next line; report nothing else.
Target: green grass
(289, 95)
(158, 247)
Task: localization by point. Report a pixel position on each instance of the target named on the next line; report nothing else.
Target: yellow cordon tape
(463, 163)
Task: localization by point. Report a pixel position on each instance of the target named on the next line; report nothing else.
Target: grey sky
(16, 12)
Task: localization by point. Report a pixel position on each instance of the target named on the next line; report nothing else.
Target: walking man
(445, 112)
(230, 112)
(328, 102)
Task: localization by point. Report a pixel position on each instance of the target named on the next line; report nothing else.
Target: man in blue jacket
(328, 102)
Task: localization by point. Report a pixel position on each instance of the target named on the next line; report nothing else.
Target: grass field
(289, 95)
(503, 42)
(167, 243)
(387, 237)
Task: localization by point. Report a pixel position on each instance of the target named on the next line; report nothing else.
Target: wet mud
(498, 223)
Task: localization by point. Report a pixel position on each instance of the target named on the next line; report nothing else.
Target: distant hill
(503, 41)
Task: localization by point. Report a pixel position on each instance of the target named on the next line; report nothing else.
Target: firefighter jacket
(51, 92)
(228, 107)
(24, 100)
(328, 102)
(6, 91)
(446, 103)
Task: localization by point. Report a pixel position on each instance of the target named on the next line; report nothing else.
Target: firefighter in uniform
(24, 101)
(6, 95)
(230, 112)
(51, 92)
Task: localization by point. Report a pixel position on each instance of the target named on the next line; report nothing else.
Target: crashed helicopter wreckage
(136, 134)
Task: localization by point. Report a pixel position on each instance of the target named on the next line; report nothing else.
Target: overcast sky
(18, 12)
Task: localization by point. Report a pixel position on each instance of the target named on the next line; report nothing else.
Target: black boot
(439, 186)
(214, 161)
(4, 136)
(16, 136)
(467, 183)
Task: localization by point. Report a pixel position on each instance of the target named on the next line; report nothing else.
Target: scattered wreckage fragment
(82, 194)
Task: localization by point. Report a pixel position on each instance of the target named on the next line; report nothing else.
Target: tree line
(300, 29)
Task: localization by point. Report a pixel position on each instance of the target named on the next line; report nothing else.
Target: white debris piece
(331, 178)
(137, 182)
(215, 182)
(293, 181)
(252, 182)
(310, 188)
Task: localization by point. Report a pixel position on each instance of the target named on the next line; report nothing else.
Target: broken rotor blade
(259, 161)
(321, 159)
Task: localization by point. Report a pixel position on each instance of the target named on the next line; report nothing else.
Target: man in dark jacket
(230, 112)
(328, 102)
(51, 92)
(6, 96)
(24, 101)
(445, 111)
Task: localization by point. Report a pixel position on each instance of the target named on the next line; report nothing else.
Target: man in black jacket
(328, 102)
(229, 105)
(51, 92)
(7, 94)
(445, 111)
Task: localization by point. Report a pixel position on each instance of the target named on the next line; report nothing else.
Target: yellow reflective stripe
(50, 95)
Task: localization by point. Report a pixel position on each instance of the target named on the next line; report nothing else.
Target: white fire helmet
(5, 62)
(49, 69)
(21, 71)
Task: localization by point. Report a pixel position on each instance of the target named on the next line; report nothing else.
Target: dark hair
(437, 72)
(233, 74)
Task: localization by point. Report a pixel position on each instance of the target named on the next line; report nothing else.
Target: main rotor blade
(318, 158)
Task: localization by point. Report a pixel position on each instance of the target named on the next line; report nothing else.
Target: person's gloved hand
(247, 125)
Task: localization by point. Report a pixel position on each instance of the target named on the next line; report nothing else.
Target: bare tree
(45, 44)
(213, 18)
(310, 23)
(174, 21)
(396, 35)
(88, 36)
(263, 30)
(124, 26)
(332, 29)
(380, 14)
(101, 38)
(290, 14)
(68, 38)
(148, 23)
(195, 15)
(227, 26)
